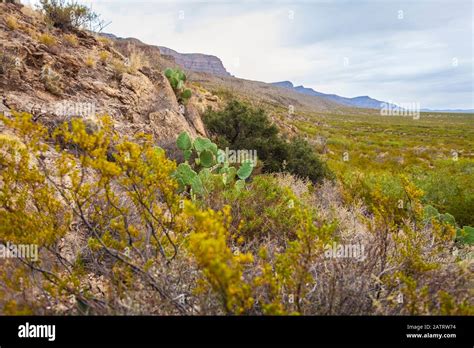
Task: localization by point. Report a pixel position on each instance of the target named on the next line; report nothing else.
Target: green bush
(239, 126)
(68, 15)
(449, 188)
(266, 210)
(303, 162)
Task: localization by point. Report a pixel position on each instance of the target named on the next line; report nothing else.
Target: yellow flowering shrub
(222, 268)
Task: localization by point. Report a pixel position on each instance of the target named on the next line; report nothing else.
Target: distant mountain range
(358, 102)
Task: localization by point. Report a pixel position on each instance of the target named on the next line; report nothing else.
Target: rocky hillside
(55, 75)
(197, 62)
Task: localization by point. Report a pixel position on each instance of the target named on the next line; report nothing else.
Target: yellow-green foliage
(90, 62)
(105, 41)
(104, 56)
(29, 202)
(47, 39)
(220, 266)
(11, 22)
(71, 40)
(144, 245)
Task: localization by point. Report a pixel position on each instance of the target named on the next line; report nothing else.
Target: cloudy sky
(400, 51)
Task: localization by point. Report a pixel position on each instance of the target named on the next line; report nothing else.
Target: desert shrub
(104, 56)
(221, 267)
(118, 68)
(67, 15)
(47, 39)
(267, 210)
(7, 62)
(71, 40)
(303, 161)
(11, 22)
(135, 61)
(239, 126)
(90, 62)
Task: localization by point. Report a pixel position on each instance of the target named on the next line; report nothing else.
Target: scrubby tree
(67, 15)
(240, 126)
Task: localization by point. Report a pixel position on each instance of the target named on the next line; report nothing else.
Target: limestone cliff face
(80, 75)
(197, 62)
(190, 61)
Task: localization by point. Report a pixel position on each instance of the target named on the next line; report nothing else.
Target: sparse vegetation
(51, 80)
(177, 79)
(135, 61)
(47, 39)
(118, 68)
(68, 15)
(11, 22)
(71, 40)
(104, 56)
(90, 62)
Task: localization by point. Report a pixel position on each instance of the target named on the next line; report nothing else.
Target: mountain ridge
(359, 101)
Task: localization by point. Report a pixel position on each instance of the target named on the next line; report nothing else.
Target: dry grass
(71, 40)
(11, 22)
(47, 39)
(118, 68)
(104, 56)
(104, 41)
(136, 61)
(90, 62)
(7, 63)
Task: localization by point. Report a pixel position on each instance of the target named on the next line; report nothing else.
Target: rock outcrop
(197, 62)
(79, 74)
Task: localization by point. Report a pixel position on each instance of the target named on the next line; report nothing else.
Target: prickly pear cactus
(210, 167)
(177, 79)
